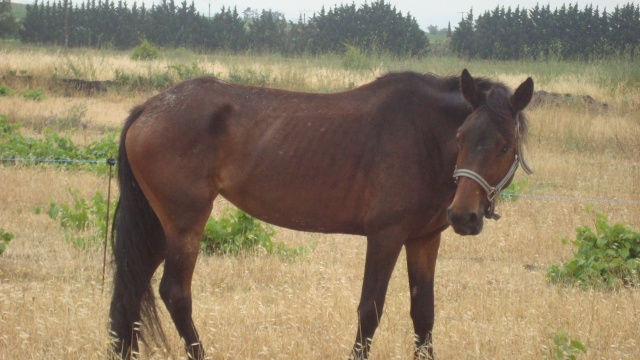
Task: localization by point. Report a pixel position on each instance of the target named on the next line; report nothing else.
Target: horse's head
(489, 150)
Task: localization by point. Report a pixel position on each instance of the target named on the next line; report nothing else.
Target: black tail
(138, 242)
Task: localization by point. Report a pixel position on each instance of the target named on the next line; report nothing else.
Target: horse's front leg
(382, 253)
(421, 265)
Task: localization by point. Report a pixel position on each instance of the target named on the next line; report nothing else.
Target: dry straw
(492, 299)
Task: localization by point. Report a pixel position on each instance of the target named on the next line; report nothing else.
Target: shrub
(249, 77)
(160, 80)
(563, 347)
(84, 221)
(71, 120)
(55, 149)
(5, 238)
(5, 90)
(354, 59)
(144, 51)
(236, 232)
(185, 72)
(35, 95)
(7, 128)
(608, 257)
(512, 191)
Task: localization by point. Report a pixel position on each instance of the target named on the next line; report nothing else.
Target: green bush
(84, 225)
(5, 238)
(563, 347)
(511, 192)
(157, 81)
(608, 257)
(72, 118)
(186, 72)
(354, 59)
(144, 51)
(249, 77)
(5, 90)
(35, 95)
(84, 221)
(236, 232)
(55, 149)
(7, 128)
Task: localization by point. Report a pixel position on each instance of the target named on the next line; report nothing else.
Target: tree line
(567, 32)
(542, 33)
(375, 26)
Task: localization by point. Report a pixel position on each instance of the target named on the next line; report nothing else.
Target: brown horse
(376, 161)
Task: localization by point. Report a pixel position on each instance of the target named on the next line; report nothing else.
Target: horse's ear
(523, 95)
(468, 88)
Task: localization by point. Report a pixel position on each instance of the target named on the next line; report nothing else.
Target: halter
(494, 191)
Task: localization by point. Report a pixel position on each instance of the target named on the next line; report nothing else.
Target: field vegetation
(493, 296)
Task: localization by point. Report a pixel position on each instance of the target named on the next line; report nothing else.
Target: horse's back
(314, 162)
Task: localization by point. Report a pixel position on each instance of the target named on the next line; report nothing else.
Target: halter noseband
(494, 191)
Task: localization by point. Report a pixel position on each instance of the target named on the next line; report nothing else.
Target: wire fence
(111, 162)
(571, 198)
(45, 160)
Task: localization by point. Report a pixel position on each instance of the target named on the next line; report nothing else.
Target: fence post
(110, 162)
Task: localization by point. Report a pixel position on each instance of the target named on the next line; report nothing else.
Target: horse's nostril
(469, 219)
(472, 218)
(466, 223)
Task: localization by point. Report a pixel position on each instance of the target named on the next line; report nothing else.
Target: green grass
(5, 238)
(606, 71)
(612, 82)
(436, 38)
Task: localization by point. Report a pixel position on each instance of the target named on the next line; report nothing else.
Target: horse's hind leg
(183, 244)
(175, 286)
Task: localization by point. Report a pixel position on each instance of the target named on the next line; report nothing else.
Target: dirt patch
(542, 97)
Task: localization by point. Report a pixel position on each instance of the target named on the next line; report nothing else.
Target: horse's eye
(505, 149)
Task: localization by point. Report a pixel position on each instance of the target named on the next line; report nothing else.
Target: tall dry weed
(492, 300)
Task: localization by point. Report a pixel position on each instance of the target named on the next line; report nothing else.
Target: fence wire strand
(111, 161)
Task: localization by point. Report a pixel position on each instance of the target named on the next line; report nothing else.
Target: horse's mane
(494, 96)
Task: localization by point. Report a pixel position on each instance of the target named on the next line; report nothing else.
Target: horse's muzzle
(465, 222)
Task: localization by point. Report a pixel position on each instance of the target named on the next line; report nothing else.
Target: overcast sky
(438, 13)
(427, 13)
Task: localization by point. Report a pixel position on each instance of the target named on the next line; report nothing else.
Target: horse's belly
(313, 210)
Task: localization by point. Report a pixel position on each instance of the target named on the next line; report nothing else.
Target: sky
(438, 13)
(427, 13)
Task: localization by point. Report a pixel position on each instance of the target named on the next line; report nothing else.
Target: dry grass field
(492, 299)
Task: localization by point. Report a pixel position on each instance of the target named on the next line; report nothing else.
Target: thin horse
(376, 161)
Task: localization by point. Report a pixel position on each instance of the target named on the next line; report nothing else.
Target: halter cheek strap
(494, 191)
